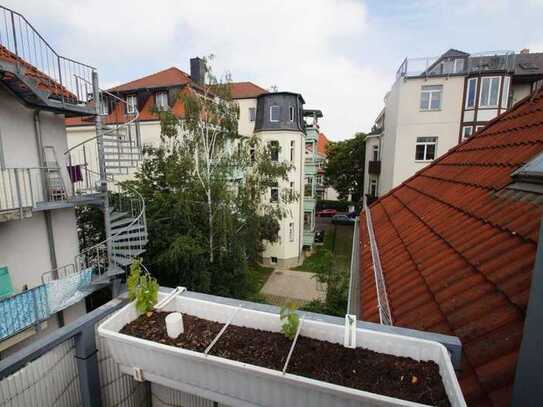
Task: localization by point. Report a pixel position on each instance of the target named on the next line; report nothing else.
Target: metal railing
(385, 316)
(23, 310)
(23, 188)
(353, 298)
(457, 65)
(58, 75)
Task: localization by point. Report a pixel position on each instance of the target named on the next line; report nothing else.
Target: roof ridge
(148, 76)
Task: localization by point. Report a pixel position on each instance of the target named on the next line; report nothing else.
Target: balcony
(491, 61)
(374, 167)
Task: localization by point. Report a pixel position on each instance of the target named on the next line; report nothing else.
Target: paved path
(289, 285)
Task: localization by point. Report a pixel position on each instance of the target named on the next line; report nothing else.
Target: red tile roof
(168, 77)
(245, 90)
(322, 143)
(457, 250)
(44, 82)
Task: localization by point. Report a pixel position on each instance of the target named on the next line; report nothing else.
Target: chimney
(198, 70)
(524, 51)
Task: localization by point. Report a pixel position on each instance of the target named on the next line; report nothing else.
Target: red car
(327, 213)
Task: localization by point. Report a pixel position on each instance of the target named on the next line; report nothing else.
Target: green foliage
(203, 186)
(290, 319)
(345, 167)
(331, 263)
(142, 288)
(90, 226)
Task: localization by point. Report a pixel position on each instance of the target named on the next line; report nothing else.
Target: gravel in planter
(199, 333)
(359, 368)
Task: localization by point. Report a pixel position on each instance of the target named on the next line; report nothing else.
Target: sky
(341, 55)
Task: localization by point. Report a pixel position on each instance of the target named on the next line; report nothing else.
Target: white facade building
(287, 129)
(436, 103)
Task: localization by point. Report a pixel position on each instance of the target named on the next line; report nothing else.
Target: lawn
(258, 275)
(338, 242)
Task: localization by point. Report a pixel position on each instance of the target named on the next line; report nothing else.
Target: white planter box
(239, 384)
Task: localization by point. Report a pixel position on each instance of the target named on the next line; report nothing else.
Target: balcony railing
(24, 189)
(374, 167)
(61, 77)
(457, 65)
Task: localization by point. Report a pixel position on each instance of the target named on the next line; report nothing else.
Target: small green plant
(290, 319)
(142, 288)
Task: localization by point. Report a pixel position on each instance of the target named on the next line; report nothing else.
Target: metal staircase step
(129, 253)
(104, 278)
(116, 215)
(136, 235)
(122, 222)
(121, 245)
(123, 261)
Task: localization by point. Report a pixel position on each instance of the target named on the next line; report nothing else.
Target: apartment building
(38, 230)
(436, 103)
(275, 117)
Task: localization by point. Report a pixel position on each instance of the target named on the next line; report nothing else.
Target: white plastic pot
(239, 384)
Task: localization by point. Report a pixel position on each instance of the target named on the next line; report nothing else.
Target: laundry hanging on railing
(74, 171)
(68, 290)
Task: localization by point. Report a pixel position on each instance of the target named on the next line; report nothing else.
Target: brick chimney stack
(198, 70)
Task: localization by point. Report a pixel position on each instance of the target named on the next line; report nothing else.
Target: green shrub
(142, 288)
(290, 319)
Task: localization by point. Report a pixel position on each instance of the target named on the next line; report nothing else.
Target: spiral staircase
(103, 163)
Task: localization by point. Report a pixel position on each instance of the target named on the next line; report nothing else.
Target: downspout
(47, 213)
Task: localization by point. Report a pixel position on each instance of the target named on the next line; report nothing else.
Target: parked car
(342, 220)
(352, 214)
(327, 213)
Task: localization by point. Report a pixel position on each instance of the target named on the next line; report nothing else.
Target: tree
(345, 167)
(203, 186)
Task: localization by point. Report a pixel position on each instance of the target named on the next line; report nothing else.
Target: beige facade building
(436, 103)
(274, 117)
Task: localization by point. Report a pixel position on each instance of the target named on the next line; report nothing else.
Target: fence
(23, 310)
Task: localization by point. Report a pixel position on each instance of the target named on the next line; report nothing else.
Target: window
(467, 131)
(291, 231)
(471, 93)
(292, 145)
(309, 148)
(308, 187)
(430, 97)
(425, 148)
(292, 188)
(161, 101)
(307, 221)
(478, 128)
(375, 151)
(274, 260)
(104, 107)
(490, 88)
(274, 150)
(458, 65)
(373, 188)
(131, 103)
(252, 114)
(505, 92)
(274, 193)
(291, 113)
(275, 112)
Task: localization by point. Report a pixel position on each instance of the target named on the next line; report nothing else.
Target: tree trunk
(210, 218)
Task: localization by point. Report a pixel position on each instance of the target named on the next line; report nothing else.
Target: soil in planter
(199, 333)
(253, 346)
(361, 369)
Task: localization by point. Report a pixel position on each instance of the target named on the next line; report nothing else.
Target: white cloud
(295, 45)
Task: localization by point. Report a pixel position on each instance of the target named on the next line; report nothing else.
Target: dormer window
(275, 112)
(131, 104)
(162, 101)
